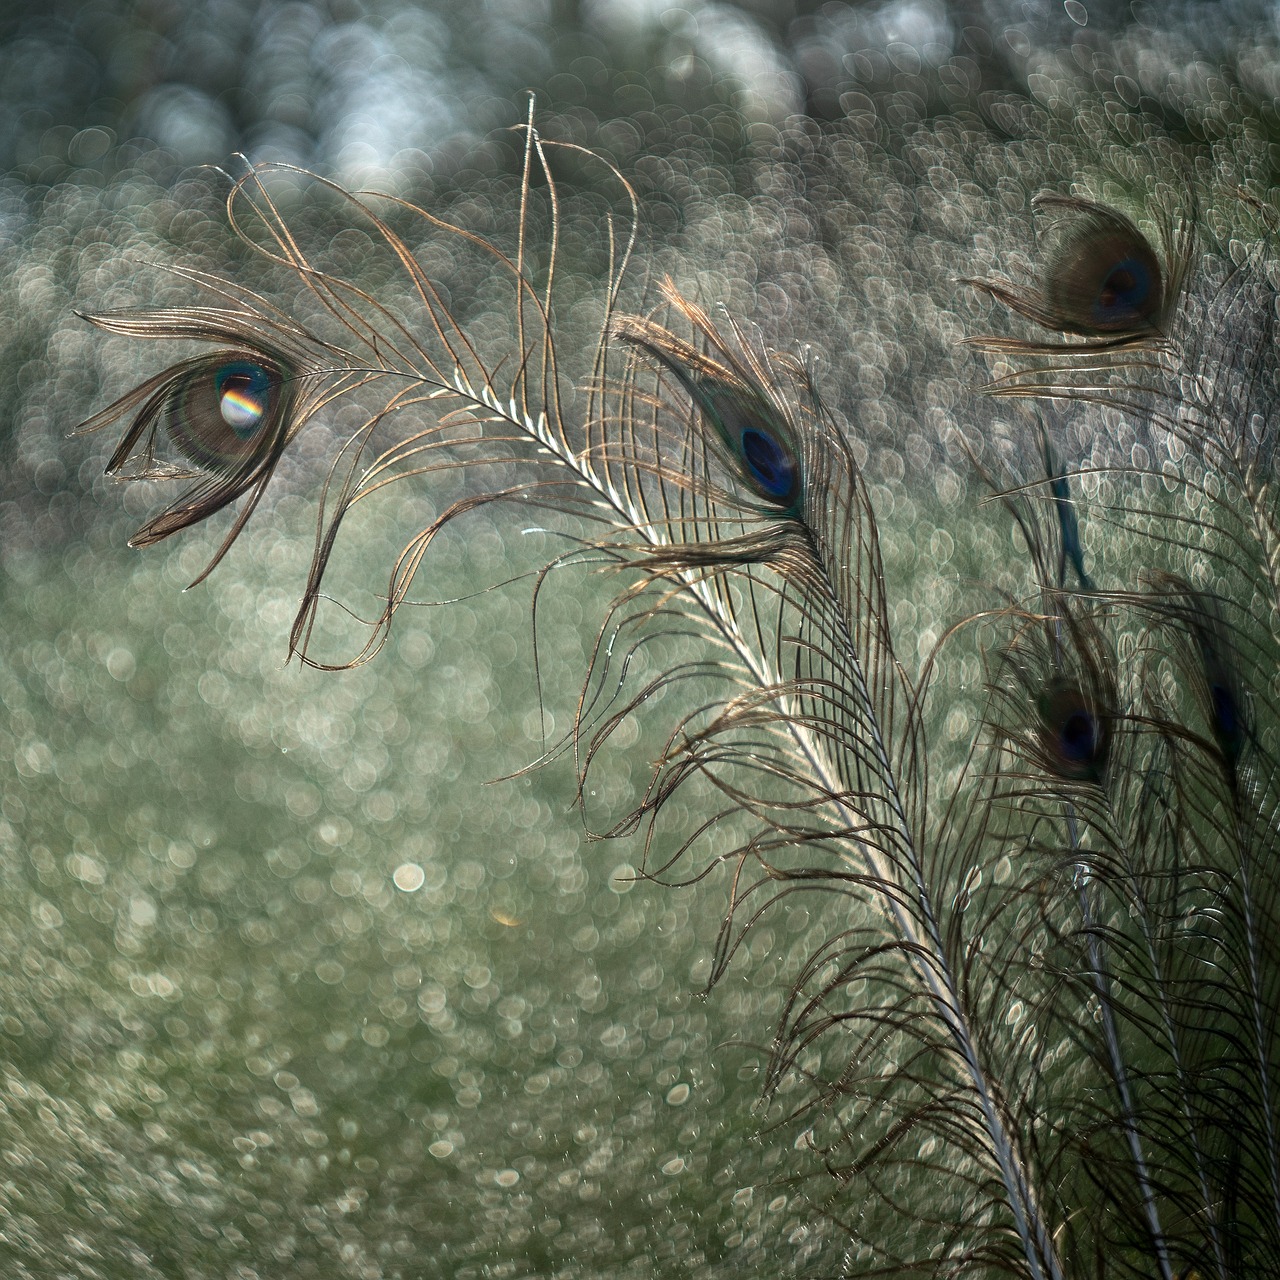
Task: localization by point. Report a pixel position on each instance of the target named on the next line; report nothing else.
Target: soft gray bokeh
(290, 989)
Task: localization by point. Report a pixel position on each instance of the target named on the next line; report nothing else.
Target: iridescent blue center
(1126, 291)
(1073, 735)
(244, 391)
(1225, 717)
(770, 464)
(1228, 724)
(1078, 738)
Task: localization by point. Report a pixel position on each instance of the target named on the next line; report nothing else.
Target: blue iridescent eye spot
(1101, 277)
(1078, 738)
(222, 413)
(1225, 717)
(1073, 736)
(762, 451)
(243, 391)
(769, 462)
(1229, 725)
(1125, 291)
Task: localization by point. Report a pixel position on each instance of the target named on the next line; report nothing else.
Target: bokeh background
(291, 986)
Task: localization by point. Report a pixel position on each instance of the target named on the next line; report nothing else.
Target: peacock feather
(1038, 1036)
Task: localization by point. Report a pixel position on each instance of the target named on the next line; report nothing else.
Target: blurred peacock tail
(1040, 1038)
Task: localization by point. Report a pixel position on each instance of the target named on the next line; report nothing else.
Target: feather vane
(1054, 987)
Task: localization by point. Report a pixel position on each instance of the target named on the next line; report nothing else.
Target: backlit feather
(1047, 1007)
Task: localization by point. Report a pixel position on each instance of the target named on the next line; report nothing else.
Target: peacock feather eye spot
(216, 414)
(1125, 292)
(1102, 277)
(243, 392)
(746, 426)
(770, 464)
(1078, 737)
(1228, 721)
(1072, 733)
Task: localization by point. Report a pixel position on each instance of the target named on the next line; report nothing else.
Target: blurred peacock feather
(1040, 1035)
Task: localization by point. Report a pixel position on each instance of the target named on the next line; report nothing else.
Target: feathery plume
(1042, 1038)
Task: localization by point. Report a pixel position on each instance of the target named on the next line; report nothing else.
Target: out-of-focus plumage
(1041, 1038)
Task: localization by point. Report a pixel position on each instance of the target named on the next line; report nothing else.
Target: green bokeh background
(291, 986)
